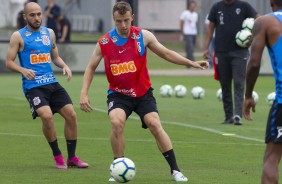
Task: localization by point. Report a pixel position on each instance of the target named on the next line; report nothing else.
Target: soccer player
(267, 31)
(124, 52)
(36, 49)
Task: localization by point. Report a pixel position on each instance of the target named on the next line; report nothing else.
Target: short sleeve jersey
(125, 62)
(228, 20)
(36, 55)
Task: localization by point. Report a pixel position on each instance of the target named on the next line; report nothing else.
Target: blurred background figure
(64, 28)
(188, 25)
(51, 11)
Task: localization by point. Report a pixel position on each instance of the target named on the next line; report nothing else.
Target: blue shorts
(274, 124)
(53, 95)
(141, 106)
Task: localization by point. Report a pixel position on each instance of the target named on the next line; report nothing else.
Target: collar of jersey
(121, 41)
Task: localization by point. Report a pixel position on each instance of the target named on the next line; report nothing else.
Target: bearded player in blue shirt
(36, 48)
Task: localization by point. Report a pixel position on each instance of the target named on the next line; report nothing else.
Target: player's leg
(49, 131)
(239, 63)
(152, 121)
(225, 79)
(271, 161)
(147, 110)
(38, 99)
(117, 118)
(60, 102)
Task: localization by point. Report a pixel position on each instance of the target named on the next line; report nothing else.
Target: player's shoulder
(16, 36)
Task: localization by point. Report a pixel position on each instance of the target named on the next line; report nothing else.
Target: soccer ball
(180, 91)
(198, 92)
(243, 37)
(270, 98)
(248, 24)
(219, 94)
(122, 170)
(255, 96)
(166, 90)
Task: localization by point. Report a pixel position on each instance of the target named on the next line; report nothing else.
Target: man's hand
(67, 70)
(200, 64)
(85, 103)
(29, 74)
(249, 103)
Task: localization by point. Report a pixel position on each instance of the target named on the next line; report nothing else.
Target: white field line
(164, 122)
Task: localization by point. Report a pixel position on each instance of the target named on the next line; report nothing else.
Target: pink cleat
(59, 162)
(76, 162)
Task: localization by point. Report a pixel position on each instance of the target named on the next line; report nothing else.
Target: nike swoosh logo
(121, 51)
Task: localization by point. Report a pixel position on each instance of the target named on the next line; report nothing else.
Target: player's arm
(13, 48)
(154, 45)
(257, 47)
(210, 30)
(88, 77)
(56, 59)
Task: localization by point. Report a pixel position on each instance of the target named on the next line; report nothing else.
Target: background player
(36, 49)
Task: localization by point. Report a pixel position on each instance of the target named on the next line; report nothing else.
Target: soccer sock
(55, 148)
(170, 158)
(71, 145)
(118, 157)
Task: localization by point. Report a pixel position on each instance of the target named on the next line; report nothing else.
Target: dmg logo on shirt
(40, 58)
(122, 68)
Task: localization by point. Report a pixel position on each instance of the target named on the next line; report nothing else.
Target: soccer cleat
(178, 176)
(76, 162)
(237, 120)
(59, 162)
(112, 179)
(228, 121)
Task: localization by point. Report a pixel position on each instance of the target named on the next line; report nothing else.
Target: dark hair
(122, 7)
(278, 3)
(191, 2)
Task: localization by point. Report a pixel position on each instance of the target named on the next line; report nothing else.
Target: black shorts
(53, 95)
(274, 124)
(141, 106)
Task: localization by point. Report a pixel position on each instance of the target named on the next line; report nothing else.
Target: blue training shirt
(36, 55)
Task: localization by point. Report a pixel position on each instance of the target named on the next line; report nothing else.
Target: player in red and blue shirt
(124, 52)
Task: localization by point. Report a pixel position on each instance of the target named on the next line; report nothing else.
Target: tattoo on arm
(53, 45)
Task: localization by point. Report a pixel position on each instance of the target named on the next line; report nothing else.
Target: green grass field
(206, 151)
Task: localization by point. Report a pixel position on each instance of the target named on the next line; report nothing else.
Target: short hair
(278, 2)
(191, 2)
(122, 7)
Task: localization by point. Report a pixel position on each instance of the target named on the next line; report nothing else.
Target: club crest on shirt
(104, 41)
(43, 32)
(114, 39)
(45, 40)
(238, 10)
(134, 36)
(27, 33)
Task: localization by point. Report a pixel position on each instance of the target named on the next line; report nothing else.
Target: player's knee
(155, 127)
(117, 125)
(72, 116)
(47, 117)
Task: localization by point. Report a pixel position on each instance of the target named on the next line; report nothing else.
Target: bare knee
(47, 120)
(117, 126)
(155, 127)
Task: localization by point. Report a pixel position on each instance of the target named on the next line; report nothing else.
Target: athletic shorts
(274, 124)
(141, 106)
(53, 95)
